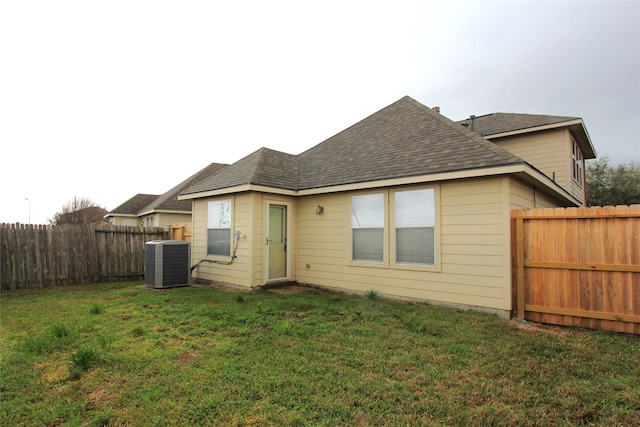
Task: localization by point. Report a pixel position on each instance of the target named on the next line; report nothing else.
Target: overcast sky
(108, 99)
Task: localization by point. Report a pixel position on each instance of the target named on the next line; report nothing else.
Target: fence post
(520, 266)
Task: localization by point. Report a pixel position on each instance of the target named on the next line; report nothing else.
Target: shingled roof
(134, 204)
(495, 123)
(143, 203)
(402, 140)
(169, 200)
(263, 167)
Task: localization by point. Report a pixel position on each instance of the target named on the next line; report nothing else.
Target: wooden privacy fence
(37, 256)
(578, 266)
(181, 231)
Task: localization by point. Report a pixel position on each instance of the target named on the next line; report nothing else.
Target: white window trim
(226, 258)
(577, 158)
(385, 233)
(389, 249)
(436, 266)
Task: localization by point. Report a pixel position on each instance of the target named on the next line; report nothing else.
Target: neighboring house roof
(402, 140)
(86, 215)
(505, 124)
(133, 205)
(143, 204)
(169, 200)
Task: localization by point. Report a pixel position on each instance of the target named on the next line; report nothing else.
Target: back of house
(405, 202)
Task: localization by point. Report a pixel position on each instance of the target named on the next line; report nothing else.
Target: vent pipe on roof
(436, 109)
(472, 117)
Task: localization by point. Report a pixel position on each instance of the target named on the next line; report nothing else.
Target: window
(219, 228)
(367, 226)
(149, 221)
(577, 161)
(414, 218)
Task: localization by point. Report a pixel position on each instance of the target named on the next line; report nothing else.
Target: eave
(238, 189)
(114, 214)
(522, 170)
(168, 211)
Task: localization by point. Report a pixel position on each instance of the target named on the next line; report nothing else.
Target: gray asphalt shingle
(403, 139)
(495, 123)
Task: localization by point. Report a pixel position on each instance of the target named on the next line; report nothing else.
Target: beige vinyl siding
(525, 196)
(166, 220)
(125, 220)
(240, 271)
(256, 238)
(322, 242)
(474, 258)
(549, 152)
(248, 213)
(545, 150)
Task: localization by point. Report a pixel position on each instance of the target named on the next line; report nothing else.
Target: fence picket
(37, 256)
(581, 266)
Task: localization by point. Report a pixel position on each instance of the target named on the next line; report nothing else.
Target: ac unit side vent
(167, 263)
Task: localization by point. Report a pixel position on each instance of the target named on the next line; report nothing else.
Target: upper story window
(577, 161)
(219, 227)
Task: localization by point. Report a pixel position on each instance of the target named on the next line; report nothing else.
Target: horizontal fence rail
(578, 266)
(38, 256)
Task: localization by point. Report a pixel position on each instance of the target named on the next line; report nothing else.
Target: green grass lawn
(127, 355)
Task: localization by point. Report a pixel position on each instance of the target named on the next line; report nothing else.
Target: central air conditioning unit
(167, 263)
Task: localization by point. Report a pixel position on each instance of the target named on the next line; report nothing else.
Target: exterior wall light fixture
(319, 210)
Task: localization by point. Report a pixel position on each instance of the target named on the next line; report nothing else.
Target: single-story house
(405, 202)
(152, 210)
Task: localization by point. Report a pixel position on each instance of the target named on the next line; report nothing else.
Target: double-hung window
(219, 228)
(577, 160)
(367, 227)
(395, 229)
(414, 220)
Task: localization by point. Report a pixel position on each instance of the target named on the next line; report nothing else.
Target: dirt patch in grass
(525, 325)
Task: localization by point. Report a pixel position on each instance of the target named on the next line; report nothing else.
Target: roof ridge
(495, 148)
(257, 168)
(404, 98)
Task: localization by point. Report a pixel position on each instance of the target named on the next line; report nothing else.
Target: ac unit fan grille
(167, 263)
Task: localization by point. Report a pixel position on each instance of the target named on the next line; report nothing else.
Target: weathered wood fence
(578, 266)
(37, 256)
